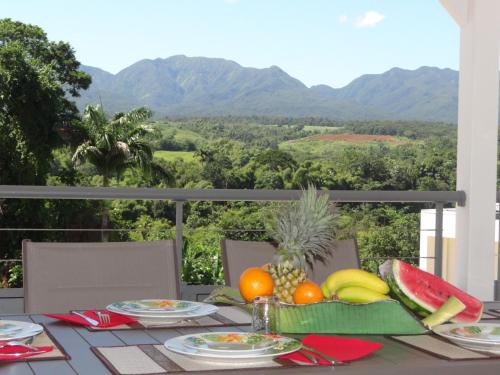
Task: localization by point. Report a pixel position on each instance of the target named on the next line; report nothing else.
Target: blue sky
(316, 41)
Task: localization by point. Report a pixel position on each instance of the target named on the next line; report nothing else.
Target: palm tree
(117, 144)
(114, 145)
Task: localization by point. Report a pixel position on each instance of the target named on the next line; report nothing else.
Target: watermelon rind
(397, 294)
(447, 311)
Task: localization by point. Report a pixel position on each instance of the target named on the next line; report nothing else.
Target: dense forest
(45, 140)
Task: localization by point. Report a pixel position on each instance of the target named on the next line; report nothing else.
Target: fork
(104, 318)
(308, 356)
(333, 361)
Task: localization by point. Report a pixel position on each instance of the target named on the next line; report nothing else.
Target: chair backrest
(239, 255)
(343, 255)
(59, 277)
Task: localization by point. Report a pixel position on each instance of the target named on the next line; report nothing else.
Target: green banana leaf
(386, 317)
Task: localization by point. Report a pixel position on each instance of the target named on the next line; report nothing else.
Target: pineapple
(304, 232)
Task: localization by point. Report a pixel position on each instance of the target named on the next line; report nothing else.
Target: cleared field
(353, 138)
(327, 146)
(180, 134)
(319, 128)
(173, 155)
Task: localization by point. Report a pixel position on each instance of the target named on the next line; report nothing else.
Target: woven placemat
(226, 316)
(44, 339)
(157, 360)
(441, 348)
(491, 314)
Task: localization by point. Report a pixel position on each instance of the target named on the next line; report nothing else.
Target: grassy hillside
(173, 155)
(327, 146)
(180, 134)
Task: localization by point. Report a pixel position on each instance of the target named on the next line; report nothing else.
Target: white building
(428, 235)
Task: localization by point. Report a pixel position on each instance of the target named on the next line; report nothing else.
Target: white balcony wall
(479, 24)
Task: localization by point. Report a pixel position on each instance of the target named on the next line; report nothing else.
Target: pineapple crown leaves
(304, 230)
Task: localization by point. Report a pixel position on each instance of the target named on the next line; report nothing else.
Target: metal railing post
(497, 282)
(438, 241)
(179, 227)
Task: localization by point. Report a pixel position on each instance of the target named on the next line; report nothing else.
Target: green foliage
(38, 80)
(173, 155)
(114, 145)
(16, 276)
(37, 77)
(398, 237)
(149, 229)
(201, 261)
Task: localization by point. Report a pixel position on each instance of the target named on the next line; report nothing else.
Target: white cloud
(343, 18)
(369, 19)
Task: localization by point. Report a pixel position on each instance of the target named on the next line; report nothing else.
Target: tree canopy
(37, 79)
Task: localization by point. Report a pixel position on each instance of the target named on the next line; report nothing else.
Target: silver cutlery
(31, 349)
(20, 354)
(326, 357)
(19, 343)
(308, 356)
(93, 322)
(104, 318)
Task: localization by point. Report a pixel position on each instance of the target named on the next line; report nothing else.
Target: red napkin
(341, 348)
(115, 319)
(21, 349)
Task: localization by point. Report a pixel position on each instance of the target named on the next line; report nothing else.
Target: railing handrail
(179, 196)
(352, 196)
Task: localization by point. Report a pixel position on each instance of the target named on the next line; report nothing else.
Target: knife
(93, 322)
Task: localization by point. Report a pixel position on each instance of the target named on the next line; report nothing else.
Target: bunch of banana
(355, 286)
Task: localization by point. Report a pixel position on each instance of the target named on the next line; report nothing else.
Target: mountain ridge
(181, 86)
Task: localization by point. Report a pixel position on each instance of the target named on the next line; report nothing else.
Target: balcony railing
(437, 198)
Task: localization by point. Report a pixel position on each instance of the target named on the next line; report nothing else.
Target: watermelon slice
(424, 293)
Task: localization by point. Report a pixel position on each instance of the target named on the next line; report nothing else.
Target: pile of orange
(257, 281)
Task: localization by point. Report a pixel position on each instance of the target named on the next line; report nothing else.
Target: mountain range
(181, 86)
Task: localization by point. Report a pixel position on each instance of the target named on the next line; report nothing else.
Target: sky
(317, 41)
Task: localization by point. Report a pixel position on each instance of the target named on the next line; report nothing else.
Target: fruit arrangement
(304, 232)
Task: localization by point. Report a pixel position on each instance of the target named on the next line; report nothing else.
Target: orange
(307, 292)
(255, 282)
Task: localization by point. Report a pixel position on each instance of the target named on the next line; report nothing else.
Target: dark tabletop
(393, 358)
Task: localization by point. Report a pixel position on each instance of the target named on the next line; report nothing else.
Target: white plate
(238, 343)
(154, 306)
(19, 330)
(285, 345)
(204, 309)
(474, 336)
(471, 332)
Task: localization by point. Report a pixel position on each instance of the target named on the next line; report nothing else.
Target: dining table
(394, 358)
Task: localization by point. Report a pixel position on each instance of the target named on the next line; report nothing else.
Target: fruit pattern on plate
(153, 304)
(477, 332)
